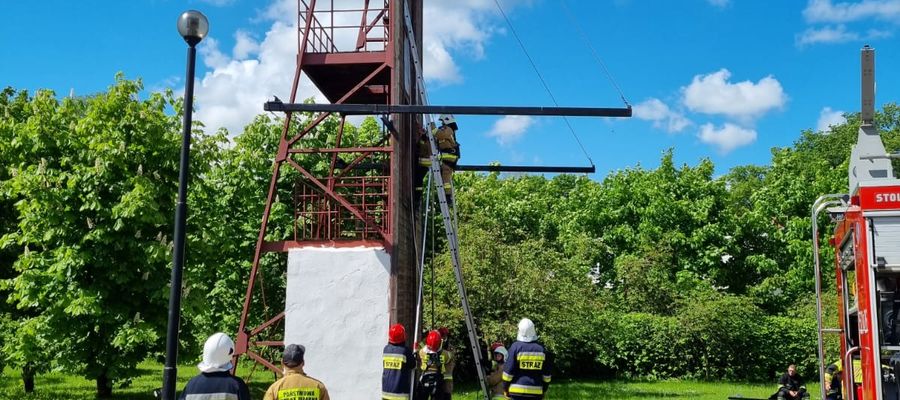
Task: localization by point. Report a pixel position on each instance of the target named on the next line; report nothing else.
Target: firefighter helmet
(526, 331)
(445, 332)
(447, 119)
(397, 335)
(497, 348)
(217, 352)
(434, 341)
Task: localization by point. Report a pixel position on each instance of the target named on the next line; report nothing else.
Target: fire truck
(866, 243)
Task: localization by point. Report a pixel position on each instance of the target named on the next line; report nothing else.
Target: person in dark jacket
(792, 385)
(526, 374)
(833, 381)
(215, 381)
(398, 363)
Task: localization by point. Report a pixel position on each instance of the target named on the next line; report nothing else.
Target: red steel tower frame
(366, 61)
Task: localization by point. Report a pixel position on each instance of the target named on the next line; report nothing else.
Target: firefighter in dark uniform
(435, 364)
(398, 363)
(792, 385)
(215, 380)
(526, 374)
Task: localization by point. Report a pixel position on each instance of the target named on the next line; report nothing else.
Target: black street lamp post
(193, 27)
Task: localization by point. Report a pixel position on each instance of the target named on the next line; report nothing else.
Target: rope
(594, 52)
(432, 271)
(541, 77)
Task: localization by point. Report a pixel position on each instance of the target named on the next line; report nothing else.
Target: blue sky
(723, 79)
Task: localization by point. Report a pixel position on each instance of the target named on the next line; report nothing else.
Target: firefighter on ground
(398, 362)
(215, 380)
(451, 356)
(445, 136)
(434, 364)
(295, 384)
(792, 386)
(833, 381)
(495, 379)
(526, 373)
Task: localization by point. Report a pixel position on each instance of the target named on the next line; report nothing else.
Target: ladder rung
(832, 330)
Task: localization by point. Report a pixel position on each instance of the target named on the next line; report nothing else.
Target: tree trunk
(28, 377)
(104, 386)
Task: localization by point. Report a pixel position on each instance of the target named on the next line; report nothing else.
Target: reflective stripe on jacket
(215, 386)
(295, 385)
(527, 371)
(398, 361)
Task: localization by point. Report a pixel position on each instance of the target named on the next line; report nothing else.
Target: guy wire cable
(541, 77)
(594, 52)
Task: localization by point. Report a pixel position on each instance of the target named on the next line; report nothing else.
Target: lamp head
(193, 26)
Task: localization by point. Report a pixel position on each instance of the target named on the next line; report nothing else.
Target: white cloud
(826, 11)
(662, 116)
(460, 28)
(510, 128)
(232, 93)
(838, 34)
(210, 54)
(726, 138)
(829, 118)
(714, 94)
(244, 45)
(827, 34)
(238, 82)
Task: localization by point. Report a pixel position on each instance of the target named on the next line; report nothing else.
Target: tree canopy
(672, 271)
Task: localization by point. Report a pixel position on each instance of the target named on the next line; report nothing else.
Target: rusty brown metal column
(404, 278)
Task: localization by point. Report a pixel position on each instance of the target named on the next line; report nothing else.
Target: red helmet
(495, 345)
(397, 335)
(434, 340)
(444, 331)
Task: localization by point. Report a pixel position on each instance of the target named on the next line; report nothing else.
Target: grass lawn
(61, 386)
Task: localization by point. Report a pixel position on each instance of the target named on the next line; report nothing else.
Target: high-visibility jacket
(398, 363)
(424, 151)
(446, 143)
(445, 368)
(295, 385)
(495, 382)
(526, 372)
(833, 378)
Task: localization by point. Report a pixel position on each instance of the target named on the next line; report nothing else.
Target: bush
(722, 337)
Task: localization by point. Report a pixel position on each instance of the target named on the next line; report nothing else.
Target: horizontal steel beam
(527, 168)
(379, 109)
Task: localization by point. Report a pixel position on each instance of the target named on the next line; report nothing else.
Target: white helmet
(217, 352)
(526, 331)
(446, 119)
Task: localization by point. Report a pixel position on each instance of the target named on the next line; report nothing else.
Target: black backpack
(431, 381)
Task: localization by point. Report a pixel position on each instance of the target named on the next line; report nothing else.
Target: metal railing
(359, 27)
(318, 216)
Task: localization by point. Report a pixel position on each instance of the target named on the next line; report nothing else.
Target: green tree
(96, 179)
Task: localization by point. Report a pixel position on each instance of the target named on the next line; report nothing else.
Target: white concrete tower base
(337, 305)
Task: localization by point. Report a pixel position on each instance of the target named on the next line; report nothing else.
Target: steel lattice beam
(527, 168)
(380, 109)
